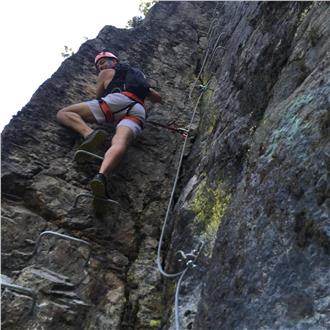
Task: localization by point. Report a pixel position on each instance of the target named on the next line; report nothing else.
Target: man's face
(105, 63)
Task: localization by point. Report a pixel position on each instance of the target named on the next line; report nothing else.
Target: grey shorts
(117, 101)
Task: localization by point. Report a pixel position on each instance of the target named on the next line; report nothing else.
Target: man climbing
(117, 101)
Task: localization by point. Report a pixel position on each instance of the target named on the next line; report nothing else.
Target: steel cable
(160, 268)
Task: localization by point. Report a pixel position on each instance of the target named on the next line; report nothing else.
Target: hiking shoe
(99, 186)
(93, 141)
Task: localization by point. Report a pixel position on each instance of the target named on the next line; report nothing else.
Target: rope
(200, 72)
(215, 48)
(160, 268)
(172, 194)
(177, 321)
(209, 33)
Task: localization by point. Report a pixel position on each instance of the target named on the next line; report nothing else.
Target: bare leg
(120, 142)
(75, 116)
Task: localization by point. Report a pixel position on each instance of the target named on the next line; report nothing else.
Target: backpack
(129, 79)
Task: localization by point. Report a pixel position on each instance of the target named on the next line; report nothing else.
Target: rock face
(253, 190)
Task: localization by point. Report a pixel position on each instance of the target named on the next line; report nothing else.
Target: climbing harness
(109, 115)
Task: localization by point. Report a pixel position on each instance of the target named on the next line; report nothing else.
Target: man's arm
(154, 96)
(103, 80)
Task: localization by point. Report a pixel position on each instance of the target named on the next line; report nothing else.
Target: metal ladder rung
(67, 237)
(7, 283)
(111, 201)
(87, 153)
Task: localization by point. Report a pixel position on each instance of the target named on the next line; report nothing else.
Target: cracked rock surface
(253, 191)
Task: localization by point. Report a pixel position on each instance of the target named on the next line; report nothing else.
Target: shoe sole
(98, 189)
(94, 142)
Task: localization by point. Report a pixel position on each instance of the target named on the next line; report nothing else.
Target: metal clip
(191, 257)
(183, 131)
(202, 87)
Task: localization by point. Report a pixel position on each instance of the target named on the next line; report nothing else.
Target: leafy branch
(144, 8)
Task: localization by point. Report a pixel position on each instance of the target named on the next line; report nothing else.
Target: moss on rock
(209, 205)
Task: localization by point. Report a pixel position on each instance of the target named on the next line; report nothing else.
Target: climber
(114, 103)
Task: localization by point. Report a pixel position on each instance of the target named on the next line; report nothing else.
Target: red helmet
(105, 54)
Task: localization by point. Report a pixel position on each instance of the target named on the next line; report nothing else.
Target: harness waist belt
(134, 119)
(133, 97)
(109, 115)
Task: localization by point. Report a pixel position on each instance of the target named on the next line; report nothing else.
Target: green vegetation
(67, 52)
(144, 7)
(155, 323)
(134, 22)
(210, 205)
(212, 123)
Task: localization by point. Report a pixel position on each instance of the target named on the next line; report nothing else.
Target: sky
(33, 36)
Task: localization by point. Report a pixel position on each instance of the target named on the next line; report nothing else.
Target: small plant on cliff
(314, 35)
(144, 7)
(134, 22)
(67, 52)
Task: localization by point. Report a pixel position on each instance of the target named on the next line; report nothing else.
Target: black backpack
(129, 79)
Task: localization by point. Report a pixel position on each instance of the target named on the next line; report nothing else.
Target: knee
(60, 115)
(63, 114)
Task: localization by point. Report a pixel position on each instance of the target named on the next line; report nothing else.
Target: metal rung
(87, 153)
(26, 291)
(70, 238)
(92, 196)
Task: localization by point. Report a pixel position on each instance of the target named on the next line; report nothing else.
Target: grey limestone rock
(253, 187)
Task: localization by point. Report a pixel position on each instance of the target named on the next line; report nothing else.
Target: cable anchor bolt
(183, 131)
(189, 258)
(202, 87)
